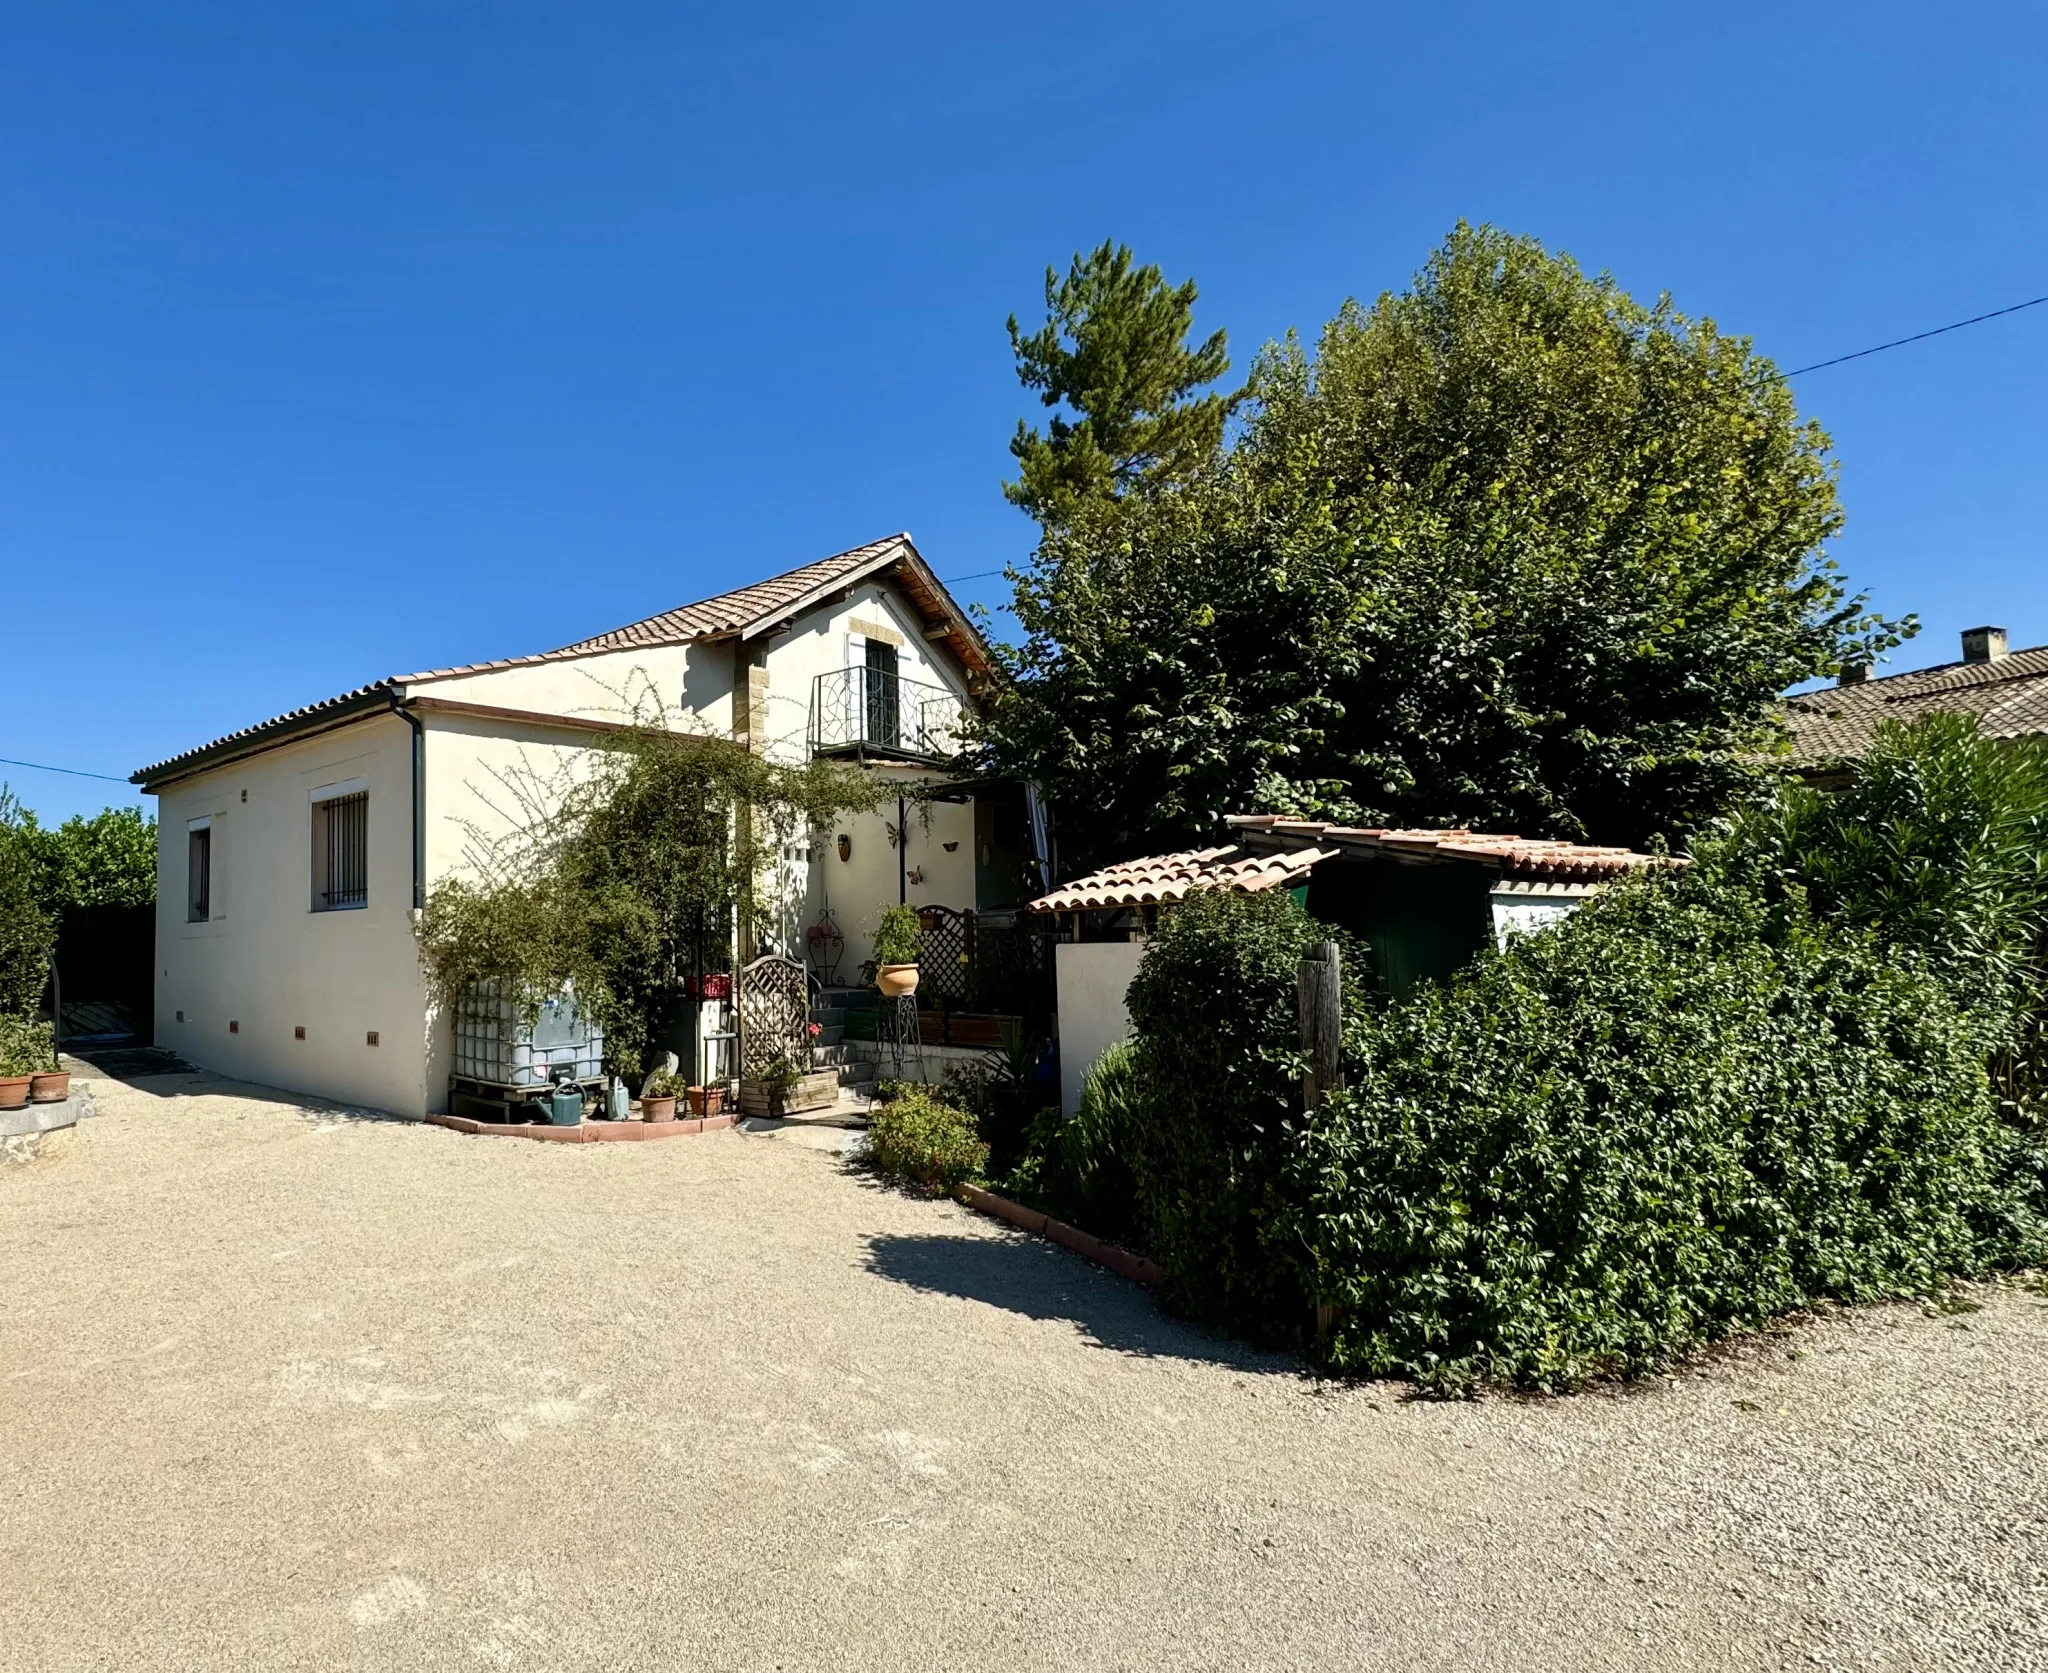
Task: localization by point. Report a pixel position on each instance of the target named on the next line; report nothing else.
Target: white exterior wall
(859, 889)
(1517, 912)
(266, 961)
(1093, 978)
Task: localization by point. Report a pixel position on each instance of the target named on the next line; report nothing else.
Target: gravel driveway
(287, 1388)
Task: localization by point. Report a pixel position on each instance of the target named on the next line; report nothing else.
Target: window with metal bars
(341, 853)
(199, 874)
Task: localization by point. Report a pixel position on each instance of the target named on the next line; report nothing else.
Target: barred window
(198, 874)
(341, 852)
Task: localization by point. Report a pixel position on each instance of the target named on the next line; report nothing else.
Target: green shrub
(28, 930)
(1213, 1018)
(27, 1047)
(1940, 843)
(919, 1141)
(1676, 1114)
(1074, 1169)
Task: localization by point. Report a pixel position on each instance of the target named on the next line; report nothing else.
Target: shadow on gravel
(129, 1063)
(165, 1073)
(1041, 1281)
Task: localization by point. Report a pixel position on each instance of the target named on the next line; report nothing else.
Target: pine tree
(1114, 350)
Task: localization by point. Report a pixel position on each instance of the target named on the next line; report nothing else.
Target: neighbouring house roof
(1170, 877)
(744, 613)
(2008, 695)
(1514, 858)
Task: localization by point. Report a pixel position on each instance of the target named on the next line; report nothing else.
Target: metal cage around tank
(507, 1040)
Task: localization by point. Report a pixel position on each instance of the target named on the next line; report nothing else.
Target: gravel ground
(289, 1388)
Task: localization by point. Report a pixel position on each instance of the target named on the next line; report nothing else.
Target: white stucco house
(293, 855)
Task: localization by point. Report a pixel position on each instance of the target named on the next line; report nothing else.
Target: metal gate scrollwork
(774, 1004)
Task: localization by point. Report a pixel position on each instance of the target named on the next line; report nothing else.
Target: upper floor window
(341, 847)
(199, 871)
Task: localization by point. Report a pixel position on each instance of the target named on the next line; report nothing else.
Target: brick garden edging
(589, 1132)
(1120, 1261)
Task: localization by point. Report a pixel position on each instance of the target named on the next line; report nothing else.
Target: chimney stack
(1853, 673)
(1983, 644)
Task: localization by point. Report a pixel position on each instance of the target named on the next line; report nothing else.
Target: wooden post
(1319, 995)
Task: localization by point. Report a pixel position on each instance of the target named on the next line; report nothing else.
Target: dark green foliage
(1213, 1016)
(1075, 1170)
(918, 1141)
(1677, 1114)
(28, 927)
(1797, 1071)
(1114, 350)
(1508, 549)
(27, 1047)
(1940, 844)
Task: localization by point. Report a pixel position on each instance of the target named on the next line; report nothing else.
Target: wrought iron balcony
(870, 711)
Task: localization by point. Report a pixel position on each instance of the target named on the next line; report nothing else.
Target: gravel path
(286, 1388)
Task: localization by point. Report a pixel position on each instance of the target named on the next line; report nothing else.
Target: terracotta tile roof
(2009, 697)
(743, 610)
(1512, 856)
(1171, 877)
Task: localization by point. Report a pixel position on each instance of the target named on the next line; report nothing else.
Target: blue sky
(342, 341)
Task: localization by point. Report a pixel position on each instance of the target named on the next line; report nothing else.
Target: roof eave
(971, 648)
(270, 735)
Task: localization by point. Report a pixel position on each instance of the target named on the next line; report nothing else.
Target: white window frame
(316, 846)
(192, 828)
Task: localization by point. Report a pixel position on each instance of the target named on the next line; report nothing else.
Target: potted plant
(658, 1096)
(28, 1060)
(707, 1100)
(899, 939)
(789, 1086)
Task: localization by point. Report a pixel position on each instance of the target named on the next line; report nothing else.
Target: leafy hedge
(1667, 1118)
(1203, 1134)
(1807, 1067)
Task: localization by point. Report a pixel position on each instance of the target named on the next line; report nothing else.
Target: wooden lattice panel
(774, 1004)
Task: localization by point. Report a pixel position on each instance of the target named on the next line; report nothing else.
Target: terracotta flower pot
(896, 980)
(51, 1088)
(707, 1100)
(14, 1091)
(657, 1109)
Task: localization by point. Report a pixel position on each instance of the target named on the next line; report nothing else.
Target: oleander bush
(919, 1141)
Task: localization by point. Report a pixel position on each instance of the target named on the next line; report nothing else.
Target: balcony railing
(856, 711)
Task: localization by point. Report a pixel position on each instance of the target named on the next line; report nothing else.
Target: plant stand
(897, 1030)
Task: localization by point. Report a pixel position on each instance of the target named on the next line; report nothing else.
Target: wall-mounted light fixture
(845, 846)
(949, 846)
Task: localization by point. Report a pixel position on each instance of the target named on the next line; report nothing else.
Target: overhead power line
(39, 767)
(1917, 337)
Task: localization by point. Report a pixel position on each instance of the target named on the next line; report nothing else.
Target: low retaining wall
(32, 1120)
(1120, 1261)
(589, 1132)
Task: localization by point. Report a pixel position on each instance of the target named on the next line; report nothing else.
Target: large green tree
(1114, 351)
(1508, 549)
